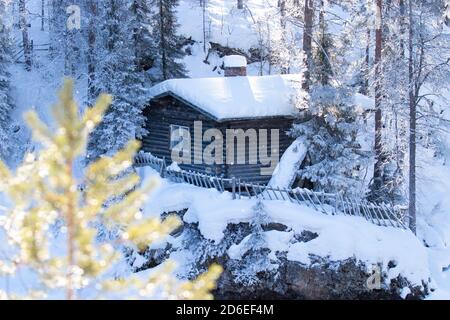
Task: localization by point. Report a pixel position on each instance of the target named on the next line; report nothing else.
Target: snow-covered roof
(234, 97)
(234, 61)
(225, 98)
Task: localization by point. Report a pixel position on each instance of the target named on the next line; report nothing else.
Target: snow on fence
(327, 203)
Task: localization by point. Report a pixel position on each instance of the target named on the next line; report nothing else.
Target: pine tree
(348, 68)
(167, 44)
(117, 73)
(447, 12)
(140, 19)
(331, 132)
(322, 55)
(377, 185)
(93, 37)
(6, 104)
(428, 67)
(67, 41)
(255, 260)
(393, 80)
(23, 24)
(259, 220)
(287, 55)
(330, 121)
(308, 18)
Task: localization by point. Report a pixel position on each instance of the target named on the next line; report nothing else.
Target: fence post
(163, 168)
(233, 187)
(239, 189)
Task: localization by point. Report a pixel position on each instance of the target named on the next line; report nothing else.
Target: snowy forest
(358, 206)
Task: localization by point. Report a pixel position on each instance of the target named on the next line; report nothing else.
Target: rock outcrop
(263, 274)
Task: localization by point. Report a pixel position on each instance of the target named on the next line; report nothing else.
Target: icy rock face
(259, 274)
(322, 280)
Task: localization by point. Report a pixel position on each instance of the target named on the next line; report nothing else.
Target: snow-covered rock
(234, 61)
(286, 170)
(301, 253)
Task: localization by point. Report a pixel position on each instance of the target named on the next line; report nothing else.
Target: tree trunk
(204, 24)
(25, 37)
(367, 61)
(163, 41)
(307, 41)
(378, 168)
(402, 27)
(42, 14)
(240, 4)
(322, 27)
(412, 128)
(282, 6)
(92, 7)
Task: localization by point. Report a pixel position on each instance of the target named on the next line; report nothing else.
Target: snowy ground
(339, 237)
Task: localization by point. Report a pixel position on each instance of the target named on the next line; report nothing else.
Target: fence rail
(327, 203)
(19, 52)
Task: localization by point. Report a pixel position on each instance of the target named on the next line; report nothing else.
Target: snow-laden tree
(355, 37)
(6, 104)
(255, 260)
(390, 85)
(117, 73)
(140, 18)
(259, 220)
(287, 55)
(67, 29)
(167, 45)
(331, 132)
(446, 12)
(322, 54)
(428, 83)
(330, 121)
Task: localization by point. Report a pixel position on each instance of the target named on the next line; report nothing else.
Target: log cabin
(249, 117)
(231, 126)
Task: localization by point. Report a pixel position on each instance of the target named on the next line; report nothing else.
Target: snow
(241, 97)
(225, 24)
(234, 61)
(174, 167)
(433, 223)
(339, 237)
(213, 216)
(405, 292)
(234, 97)
(364, 102)
(276, 242)
(285, 172)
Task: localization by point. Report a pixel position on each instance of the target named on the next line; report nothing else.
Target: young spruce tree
(167, 44)
(255, 260)
(118, 74)
(50, 228)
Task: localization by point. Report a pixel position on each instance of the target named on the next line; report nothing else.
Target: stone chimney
(235, 66)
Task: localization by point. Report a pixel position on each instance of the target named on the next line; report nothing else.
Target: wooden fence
(327, 203)
(18, 53)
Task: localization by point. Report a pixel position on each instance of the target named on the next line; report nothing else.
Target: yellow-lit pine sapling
(44, 193)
